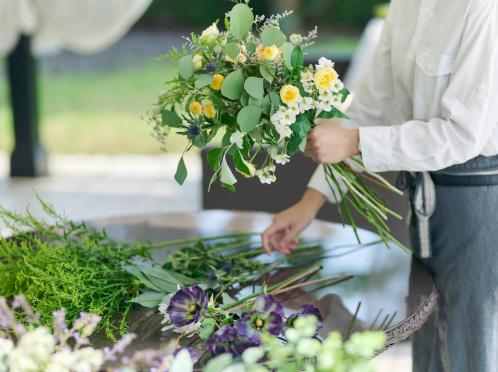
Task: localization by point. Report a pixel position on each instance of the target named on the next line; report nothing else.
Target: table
(380, 282)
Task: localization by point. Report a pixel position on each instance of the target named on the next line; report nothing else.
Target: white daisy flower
(294, 108)
(289, 118)
(307, 104)
(324, 106)
(307, 76)
(284, 131)
(267, 175)
(338, 86)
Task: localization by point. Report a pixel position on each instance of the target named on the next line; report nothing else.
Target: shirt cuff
(319, 183)
(377, 148)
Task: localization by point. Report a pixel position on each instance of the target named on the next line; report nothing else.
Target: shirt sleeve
(365, 108)
(469, 108)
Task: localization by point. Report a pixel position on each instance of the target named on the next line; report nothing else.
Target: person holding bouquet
(429, 108)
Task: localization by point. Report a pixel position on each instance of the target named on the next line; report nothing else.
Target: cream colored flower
(289, 94)
(325, 78)
(260, 53)
(271, 53)
(197, 59)
(210, 34)
(241, 58)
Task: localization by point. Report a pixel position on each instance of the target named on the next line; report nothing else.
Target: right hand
(282, 234)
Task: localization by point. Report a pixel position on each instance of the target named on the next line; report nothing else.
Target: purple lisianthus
(228, 340)
(187, 306)
(306, 309)
(267, 304)
(252, 323)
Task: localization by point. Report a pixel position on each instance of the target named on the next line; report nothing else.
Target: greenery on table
(67, 265)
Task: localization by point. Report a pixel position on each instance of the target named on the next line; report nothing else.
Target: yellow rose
(217, 81)
(197, 59)
(195, 108)
(325, 77)
(260, 52)
(289, 94)
(271, 53)
(209, 110)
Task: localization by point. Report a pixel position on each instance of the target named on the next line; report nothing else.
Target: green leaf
(288, 49)
(186, 66)
(208, 326)
(272, 36)
(219, 363)
(266, 105)
(254, 87)
(297, 57)
(275, 102)
(334, 113)
(251, 47)
(300, 130)
(162, 279)
(243, 166)
(214, 157)
(267, 72)
(232, 50)
(203, 80)
(255, 101)
(233, 85)
(136, 272)
(241, 20)
(226, 175)
(228, 187)
(149, 299)
(181, 172)
(171, 119)
(244, 99)
(248, 118)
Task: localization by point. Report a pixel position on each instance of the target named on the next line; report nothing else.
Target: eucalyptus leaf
(266, 105)
(186, 66)
(171, 119)
(248, 118)
(232, 50)
(244, 99)
(255, 101)
(241, 20)
(203, 80)
(272, 36)
(267, 72)
(254, 87)
(181, 172)
(288, 49)
(233, 85)
(149, 299)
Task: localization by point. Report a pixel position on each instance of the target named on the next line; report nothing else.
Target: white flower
(308, 347)
(266, 175)
(210, 34)
(6, 348)
(296, 39)
(182, 362)
(307, 104)
(307, 76)
(280, 159)
(308, 87)
(338, 86)
(284, 131)
(33, 350)
(238, 139)
(325, 62)
(253, 355)
(295, 108)
(62, 361)
(289, 117)
(88, 359)
(324, 106)
(325, 95)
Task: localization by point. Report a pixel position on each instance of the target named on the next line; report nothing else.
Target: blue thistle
(193, 131)
(211, 68)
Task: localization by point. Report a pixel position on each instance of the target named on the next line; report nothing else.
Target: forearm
(312, 201)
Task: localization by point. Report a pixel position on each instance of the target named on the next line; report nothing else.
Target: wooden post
(28, 159)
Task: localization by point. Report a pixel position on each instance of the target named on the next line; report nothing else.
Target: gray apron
(454, 229)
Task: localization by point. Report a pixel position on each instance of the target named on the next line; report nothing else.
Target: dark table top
(380, 283)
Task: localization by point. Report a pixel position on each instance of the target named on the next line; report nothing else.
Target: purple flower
(267, 304)
(252, 323)
(187, 306)
(306, 309)
(228, 340)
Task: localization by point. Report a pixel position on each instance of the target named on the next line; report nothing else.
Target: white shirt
(431, 98)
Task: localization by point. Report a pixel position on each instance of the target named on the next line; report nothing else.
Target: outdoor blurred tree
(352, 14)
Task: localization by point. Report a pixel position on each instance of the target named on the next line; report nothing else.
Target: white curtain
(82, 26)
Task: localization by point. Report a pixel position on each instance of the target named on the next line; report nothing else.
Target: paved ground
(101, 186)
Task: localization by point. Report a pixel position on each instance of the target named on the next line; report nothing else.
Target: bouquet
(249, 84)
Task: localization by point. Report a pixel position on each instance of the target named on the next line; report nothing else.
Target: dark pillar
(28, 158)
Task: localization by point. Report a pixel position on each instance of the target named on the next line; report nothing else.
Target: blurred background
(77, 78)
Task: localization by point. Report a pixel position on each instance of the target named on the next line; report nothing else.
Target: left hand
(331, 143)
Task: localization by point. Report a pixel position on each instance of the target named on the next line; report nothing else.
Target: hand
(282, 234)
(331, 143)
